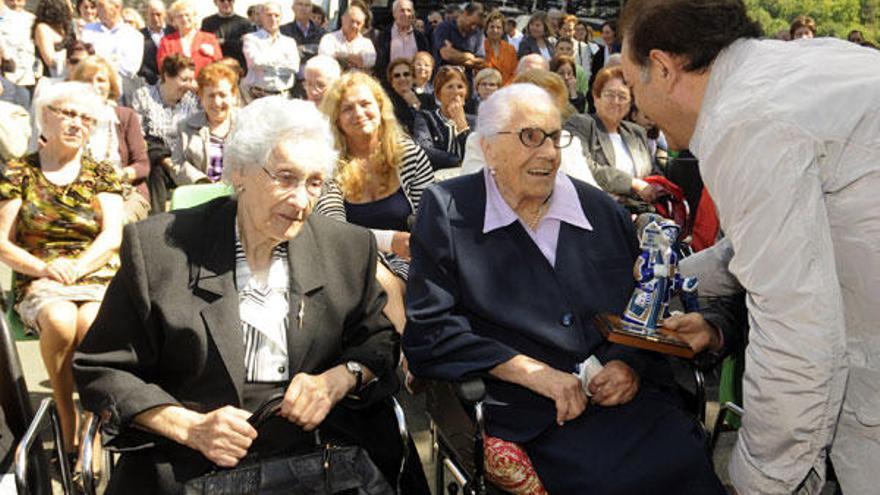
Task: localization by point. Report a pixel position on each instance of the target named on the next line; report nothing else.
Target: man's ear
(666, 68)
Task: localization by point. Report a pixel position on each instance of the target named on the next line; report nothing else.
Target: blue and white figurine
(656, 271)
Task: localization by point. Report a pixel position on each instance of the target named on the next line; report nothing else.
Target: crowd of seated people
(126, 110)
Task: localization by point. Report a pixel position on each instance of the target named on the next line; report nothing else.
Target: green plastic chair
(730, 386)
(195, 194)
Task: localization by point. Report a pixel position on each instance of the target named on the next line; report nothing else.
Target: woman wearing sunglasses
(404, 98)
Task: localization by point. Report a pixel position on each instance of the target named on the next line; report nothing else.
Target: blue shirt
(448, 30)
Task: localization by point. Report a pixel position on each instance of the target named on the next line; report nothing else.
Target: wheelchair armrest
(47, 410)
(471, 391)
(403, 430)
(88, 454)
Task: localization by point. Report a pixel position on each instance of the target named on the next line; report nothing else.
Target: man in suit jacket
(400, 40)
(153, 33)
(307, 35)
(166, 353)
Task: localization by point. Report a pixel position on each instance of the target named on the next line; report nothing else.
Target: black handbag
(330, 469)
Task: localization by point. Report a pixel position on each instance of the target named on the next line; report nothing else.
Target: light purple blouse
(565, 206)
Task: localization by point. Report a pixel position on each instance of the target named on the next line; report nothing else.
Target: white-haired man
(153, 32)
(797, 197)
(272, 58)
(229, 28)
(348, 45)
(401, 40)
(321, 72)
(119, 43)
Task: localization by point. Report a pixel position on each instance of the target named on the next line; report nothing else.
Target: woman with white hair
(60, 227)
(200, 46)
(509, 267)
(220, 307)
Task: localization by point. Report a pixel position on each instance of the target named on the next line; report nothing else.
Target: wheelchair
(47, 416)
(457, 425)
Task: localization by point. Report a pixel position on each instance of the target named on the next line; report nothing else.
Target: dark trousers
(648, 445)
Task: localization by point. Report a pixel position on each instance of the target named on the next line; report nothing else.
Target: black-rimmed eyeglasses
(534, 137)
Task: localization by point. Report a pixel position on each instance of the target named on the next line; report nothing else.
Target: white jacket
(788, 140)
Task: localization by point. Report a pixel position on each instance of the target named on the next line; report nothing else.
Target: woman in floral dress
(61, 218)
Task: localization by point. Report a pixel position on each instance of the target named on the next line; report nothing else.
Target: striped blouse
(415, 174)
(263, 307)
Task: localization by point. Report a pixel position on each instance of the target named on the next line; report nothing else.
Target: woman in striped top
(379, 178)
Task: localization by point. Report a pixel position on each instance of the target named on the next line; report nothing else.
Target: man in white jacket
(788, 138)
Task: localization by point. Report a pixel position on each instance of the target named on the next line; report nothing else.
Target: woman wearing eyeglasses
(220, 307)
(379, 178)
(619, 149)
(443, 132)
(481, 238)
(61, 218)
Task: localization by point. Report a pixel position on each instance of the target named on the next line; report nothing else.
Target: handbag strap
(268, 410)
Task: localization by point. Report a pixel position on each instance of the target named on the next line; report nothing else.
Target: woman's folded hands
(616, 384)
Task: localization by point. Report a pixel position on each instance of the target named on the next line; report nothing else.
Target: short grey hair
(397, 3)
(498, 110)
(156, 5)
(79, 95)
(270, 3)
(528, 61)
(259, 127)
(326, 65)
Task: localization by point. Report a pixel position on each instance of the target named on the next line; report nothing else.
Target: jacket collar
(212, 279)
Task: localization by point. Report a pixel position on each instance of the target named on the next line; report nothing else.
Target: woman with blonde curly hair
(380, 175)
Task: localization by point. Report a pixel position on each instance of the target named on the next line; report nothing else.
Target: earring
(492, 171)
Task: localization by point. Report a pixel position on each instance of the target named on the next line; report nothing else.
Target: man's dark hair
(472, 7)
(695, 29)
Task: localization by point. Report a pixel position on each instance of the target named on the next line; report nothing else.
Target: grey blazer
(600, 151)
(190, 156)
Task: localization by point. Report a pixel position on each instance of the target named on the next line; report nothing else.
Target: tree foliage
(833, 17)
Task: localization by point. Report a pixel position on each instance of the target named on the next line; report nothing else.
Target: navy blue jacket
(476, 300)
(432, 135)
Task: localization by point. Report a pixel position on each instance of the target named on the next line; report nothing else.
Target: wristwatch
(357, 370)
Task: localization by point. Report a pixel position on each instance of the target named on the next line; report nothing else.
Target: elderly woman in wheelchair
(218, 308)
(509, 266)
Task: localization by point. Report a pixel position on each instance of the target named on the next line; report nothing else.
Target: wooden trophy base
(615, 330)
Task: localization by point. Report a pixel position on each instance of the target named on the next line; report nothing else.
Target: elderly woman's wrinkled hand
(400, 245)
(223, 435)
(309, 398)
(567, 392)
(616, 384)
